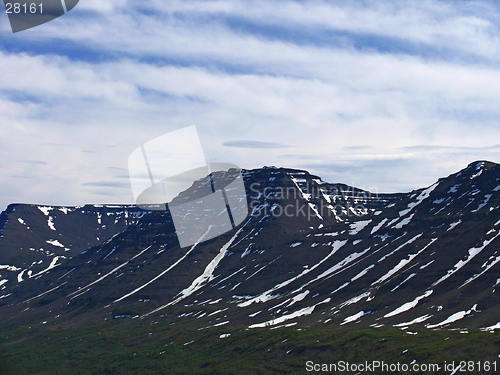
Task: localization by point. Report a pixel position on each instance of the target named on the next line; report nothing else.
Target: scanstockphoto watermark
(383, 367)
(309, 201)
(372, 366)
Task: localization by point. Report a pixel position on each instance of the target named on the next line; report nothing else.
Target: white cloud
(314, 76)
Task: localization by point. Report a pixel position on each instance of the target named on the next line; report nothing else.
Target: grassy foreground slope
(135, 347)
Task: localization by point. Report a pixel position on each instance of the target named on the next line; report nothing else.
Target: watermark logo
(205, 200)
(24, 14)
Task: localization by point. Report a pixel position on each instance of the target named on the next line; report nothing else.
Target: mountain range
(309, 253)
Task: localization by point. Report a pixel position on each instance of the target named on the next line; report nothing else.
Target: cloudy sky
(383, 95)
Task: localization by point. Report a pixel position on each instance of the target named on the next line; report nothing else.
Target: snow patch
(302, 312)
(453, 318)
(50, 223)
(353, 318)
(472, 253)
(485, 202)
(9, 268)
(358, 226)
(423, 196)
(266, 296)
(378, 226)
(45, 210)
(453, 225)
(402, 263)
(55, 243)
(298, 297)
(420, 319)
(408, 305)
(491, 328)
(404, 222)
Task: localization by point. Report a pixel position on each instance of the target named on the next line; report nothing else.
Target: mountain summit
(309, 253)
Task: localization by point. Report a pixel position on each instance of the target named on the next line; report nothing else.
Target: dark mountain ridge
(309, 253)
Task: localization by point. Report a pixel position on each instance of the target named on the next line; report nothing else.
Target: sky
(387, 96)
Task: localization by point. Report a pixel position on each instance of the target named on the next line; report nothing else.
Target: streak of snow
(453, 318)
(44, 293)
(423, 196)
(420, 319)
(106, 275)
(472, 253)
(55, 243)
(260, 269)
(298, 297)
(427, 264)
(231, 275)
(379, 225)
(207, 275)
(265, 296)
(402, 263)
(111, 252)
(362, 273)
(217, 311)
(476, 174)
(21, 221)
(313, 207)
(408, 305)
(296, 181)
(487, 198)
(45, 210)
(50, 223)
(488, 267)
(142, 252)
(453, 225)
(53, 264)
(353, 318)
(20, 276)
(340, 265)
(221, 324)
(491, 328)
(354, 300)
(67, 273)
(404, 222)
(9, 268)
(302, 312)
(411, 240)
(357, 226)
(165, 271)
(402, 282)
(248, 250)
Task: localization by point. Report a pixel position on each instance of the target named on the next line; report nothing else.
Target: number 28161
(23, 8)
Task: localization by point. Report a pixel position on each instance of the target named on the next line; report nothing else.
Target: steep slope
(309, 253)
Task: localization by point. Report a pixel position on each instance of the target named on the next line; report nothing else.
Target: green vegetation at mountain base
(125, 346)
